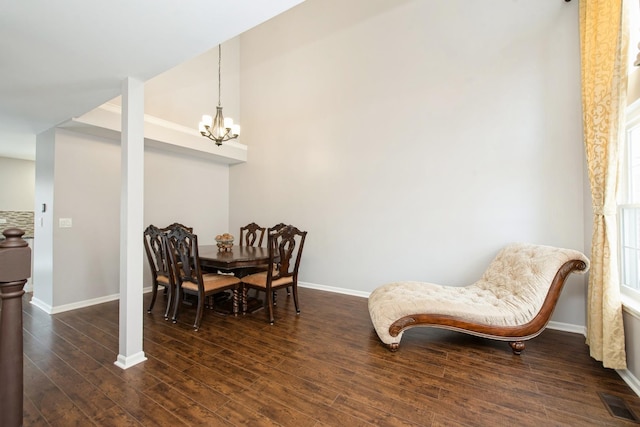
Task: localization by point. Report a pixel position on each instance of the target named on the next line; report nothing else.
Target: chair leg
(199, 312)
(176, 303)
(275, 298)
(295, 298)
(269, 303)
(169, 293)
(288, 290)
(154, 293)
(517, 347)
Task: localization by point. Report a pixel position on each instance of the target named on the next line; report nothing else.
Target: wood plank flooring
(325, 367)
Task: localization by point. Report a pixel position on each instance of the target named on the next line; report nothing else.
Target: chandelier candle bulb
(235, 130)
(228, 122)
(207, 120)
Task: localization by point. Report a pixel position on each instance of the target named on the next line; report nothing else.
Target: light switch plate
(65, 223)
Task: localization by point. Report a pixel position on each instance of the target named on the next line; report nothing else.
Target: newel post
(15, 269)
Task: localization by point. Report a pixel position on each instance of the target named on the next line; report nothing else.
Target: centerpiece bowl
(224, 242)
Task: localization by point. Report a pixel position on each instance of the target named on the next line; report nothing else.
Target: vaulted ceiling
(60, 59)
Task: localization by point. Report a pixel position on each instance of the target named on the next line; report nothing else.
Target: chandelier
(218, 129)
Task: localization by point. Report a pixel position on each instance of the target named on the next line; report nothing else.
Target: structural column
(131, 224)
(15, 269)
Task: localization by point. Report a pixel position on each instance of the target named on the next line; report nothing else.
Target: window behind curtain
(629, 206)
(629, 191)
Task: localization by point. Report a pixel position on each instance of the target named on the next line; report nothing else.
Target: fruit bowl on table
(224, 241)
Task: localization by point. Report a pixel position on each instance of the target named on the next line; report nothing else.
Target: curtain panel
(603, 52)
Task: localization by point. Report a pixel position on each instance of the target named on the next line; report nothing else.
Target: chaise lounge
(513, 301)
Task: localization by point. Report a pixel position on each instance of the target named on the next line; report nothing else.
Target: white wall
(188, 190)
(414, 139)
(43, 231)
(82, 263)
(87, 190)
(18, 182)
(631, 320)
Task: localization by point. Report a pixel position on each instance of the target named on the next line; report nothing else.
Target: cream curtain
(603, 42)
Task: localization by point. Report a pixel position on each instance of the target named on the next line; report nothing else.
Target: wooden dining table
(239, 260)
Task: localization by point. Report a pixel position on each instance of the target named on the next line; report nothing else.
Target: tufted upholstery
(510, 293)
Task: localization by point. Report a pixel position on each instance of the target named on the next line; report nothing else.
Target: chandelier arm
(228, 136)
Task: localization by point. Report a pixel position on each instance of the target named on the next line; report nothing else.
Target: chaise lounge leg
(517, 347)
(394, 346)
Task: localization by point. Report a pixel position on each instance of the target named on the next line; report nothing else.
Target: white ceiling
(60, 59)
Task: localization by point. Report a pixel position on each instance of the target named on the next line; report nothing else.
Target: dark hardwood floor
(325, 367)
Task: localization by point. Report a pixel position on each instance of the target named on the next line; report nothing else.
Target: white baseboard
(568, 327)
(335, 290)
(630, 379)
(80, 304)
(41, 305)
(73, 306)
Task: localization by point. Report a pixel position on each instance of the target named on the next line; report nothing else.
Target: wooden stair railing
(15, 269)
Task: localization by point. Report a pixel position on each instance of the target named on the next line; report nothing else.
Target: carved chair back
(250, 234)
(154, 249)
(285, 245)
(182, 248)
(177, 225)
(158, 259)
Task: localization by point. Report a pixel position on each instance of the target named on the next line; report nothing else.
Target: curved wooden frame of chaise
(515, 335)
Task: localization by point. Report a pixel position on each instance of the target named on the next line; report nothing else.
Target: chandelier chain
(219, 62)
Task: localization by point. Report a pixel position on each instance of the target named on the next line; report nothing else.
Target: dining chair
(182, 248)
(249, 235)
(176, 225)
(275, 295)
(285, 246)
(252, 235)
(159, 264)
(277, 226)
